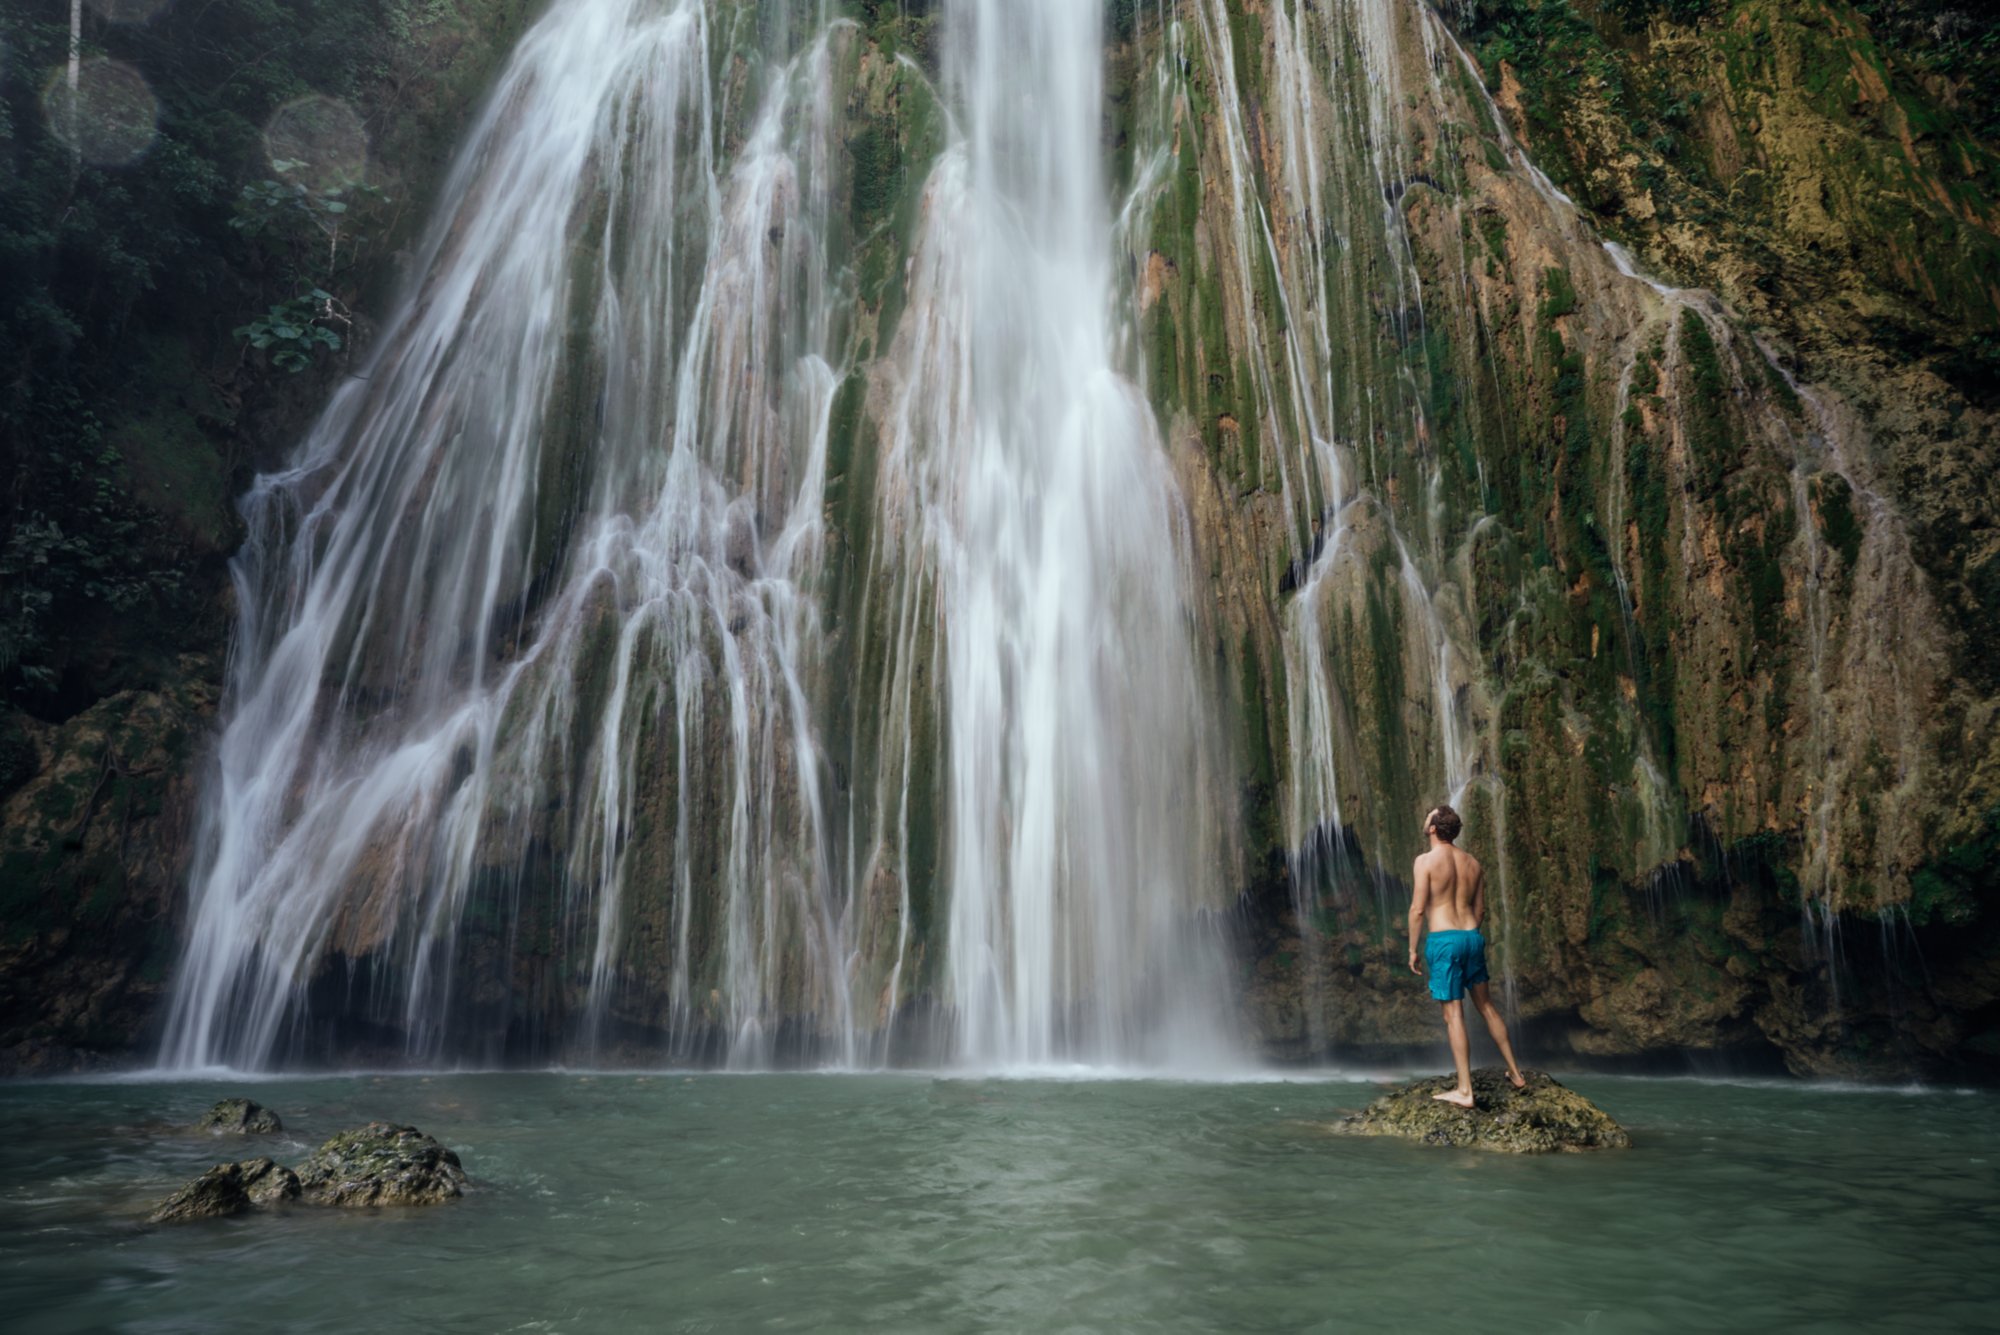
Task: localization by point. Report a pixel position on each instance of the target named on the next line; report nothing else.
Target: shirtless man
(1450, 890)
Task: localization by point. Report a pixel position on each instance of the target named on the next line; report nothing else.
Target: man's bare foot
(1517, 1080)
(1461, 1097)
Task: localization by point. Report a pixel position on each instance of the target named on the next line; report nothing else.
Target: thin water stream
(918, 1203)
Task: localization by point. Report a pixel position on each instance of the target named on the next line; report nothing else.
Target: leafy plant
(289, 215)
(292, 331)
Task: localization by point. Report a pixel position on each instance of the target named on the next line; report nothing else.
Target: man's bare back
(1448, 896)
(1452, 886)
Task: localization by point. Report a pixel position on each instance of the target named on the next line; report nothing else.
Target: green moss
(1163, 356)
(875, 155)
(1260, 767)
(1651, 510)
(1953, 890)
(1558, 294)
(1834, 500)
(1705, 400)
(1246, 40)
(1250, 473)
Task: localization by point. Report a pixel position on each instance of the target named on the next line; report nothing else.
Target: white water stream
(1028, 484)
(528, 713)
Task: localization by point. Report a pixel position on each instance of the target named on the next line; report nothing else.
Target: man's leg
(1482, 997)
(1461, 1052)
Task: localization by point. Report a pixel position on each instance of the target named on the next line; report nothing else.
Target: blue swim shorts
(1457, 960)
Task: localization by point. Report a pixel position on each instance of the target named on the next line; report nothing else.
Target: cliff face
(1667, 560)
(1701, 558)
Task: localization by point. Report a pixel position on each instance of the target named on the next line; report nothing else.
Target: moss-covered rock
(1544, 1118)
(381, 1164)
(239, 1117)
(95, 848)
(265, 1181)
(228, 1189)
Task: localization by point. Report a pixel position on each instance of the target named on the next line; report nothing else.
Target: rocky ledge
(1544, 1118)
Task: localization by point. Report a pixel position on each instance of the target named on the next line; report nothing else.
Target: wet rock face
(1544, 1118)
(381, 1164)
(239, 1117)
(265, 1181)
(95, 839)
(228, 1189)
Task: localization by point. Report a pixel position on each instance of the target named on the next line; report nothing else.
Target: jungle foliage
(139, 302)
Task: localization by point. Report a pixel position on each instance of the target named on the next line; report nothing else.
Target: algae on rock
(1544, 1118)
(228, 1189)
(381, 1164)
(241, 1116)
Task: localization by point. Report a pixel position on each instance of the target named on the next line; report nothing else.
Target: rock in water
(266, 1181)
(381, 1164)
(239, 1116)
(228, 1188)
(1544, 1118)
(216, 1193)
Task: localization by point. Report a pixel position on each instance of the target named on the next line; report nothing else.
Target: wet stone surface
(381, 1164)
(1544, 1118)
(228, 1189)
(239, 1117)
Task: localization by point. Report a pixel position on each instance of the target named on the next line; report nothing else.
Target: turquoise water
(925, 1203)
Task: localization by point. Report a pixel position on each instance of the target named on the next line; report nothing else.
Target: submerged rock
(239, 1117)
(381, 1164)
(1544, 1118)
(227, 1189)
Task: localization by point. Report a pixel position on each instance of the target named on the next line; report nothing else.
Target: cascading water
(1026, 492)
(527, 747)
(530, 615)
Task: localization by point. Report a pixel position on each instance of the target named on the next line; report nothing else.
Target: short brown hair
(1445, 821)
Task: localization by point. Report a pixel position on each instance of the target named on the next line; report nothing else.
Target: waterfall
(1029, 496)
(537, 742)
(530, 613)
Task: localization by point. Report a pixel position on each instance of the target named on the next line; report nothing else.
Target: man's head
(1443, 822)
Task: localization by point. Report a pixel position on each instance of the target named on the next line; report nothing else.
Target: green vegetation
(1950, 891)
(1636, 13)
(1951, 39)
(1705, 405)
(877, 156)
(1837, 523)
(900, 27)
(292, 331)
(1559, 296)
(134, 291)
(1260, 768)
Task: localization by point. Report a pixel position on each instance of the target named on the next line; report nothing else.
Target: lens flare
(319, 141)
(128, 11)
(107, 117)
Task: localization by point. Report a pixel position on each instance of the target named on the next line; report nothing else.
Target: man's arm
(1478, 897)
(1420, 901)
